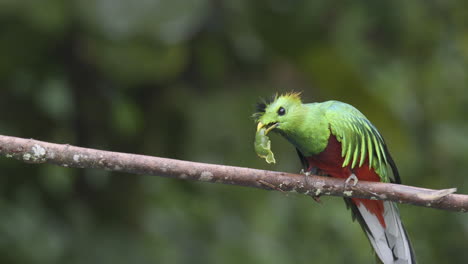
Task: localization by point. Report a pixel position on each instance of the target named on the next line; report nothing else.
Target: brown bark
(34, 151)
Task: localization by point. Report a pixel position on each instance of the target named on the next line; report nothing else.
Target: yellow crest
(296, 96)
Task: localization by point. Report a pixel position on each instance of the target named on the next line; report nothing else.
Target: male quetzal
(337, 140)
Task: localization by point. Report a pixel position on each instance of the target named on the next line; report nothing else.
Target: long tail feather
(390, 241)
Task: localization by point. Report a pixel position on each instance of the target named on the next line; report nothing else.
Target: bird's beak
(259, 126)
(268, 126)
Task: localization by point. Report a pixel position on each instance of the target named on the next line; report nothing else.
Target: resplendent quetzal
(337, 140)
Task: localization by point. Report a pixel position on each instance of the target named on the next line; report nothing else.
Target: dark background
(179, 79)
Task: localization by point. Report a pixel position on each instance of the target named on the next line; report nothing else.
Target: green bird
(335, 139)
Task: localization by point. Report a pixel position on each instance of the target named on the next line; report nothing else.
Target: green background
(179, 79)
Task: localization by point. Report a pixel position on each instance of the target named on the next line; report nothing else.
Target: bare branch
(34, 151)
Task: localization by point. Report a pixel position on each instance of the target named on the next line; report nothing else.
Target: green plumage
(309, 126)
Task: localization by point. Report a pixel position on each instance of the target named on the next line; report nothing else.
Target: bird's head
(279, 114)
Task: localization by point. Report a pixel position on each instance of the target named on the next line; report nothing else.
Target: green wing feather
(359, 139)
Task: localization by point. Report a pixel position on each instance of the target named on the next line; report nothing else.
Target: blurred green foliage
(179, 79)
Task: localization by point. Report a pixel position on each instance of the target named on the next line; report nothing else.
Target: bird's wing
(360, 140)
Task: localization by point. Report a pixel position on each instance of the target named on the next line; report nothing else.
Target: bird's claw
(306, 173)
(306, 177)
(351, 177)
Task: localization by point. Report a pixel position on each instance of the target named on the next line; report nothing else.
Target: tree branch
(34, 151)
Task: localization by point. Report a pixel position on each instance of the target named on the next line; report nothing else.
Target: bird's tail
(382, 225)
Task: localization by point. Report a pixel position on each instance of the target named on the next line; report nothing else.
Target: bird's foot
(306, 175)
(351, 177)
(306, 178)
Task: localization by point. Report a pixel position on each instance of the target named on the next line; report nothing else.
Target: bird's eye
(281, 111)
